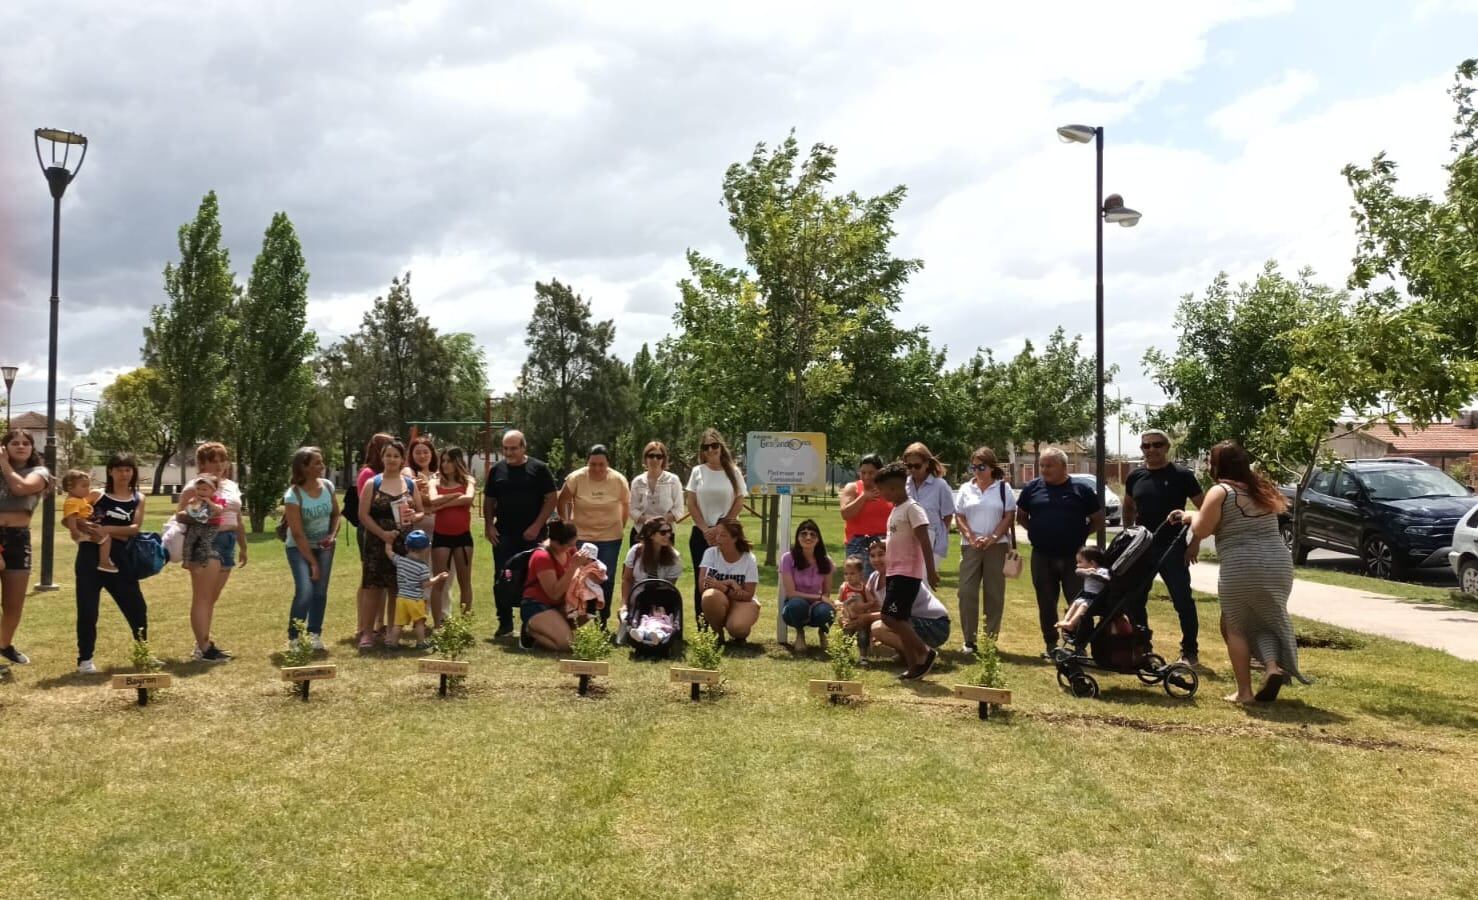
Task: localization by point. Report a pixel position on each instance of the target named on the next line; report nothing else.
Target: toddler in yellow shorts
(77, 508)
(413, 582)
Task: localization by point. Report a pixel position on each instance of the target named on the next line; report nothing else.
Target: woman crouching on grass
(728, 574)
(551, 569)
(928, 618)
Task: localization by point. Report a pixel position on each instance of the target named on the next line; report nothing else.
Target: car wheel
(1468, 580)
(1377, 557)
(1300, 553)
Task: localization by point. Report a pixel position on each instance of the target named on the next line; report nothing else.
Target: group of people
(413, 507)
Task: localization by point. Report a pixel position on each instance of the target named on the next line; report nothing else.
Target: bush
(842, 650)
(140, 656)
(454, 638)
(703, 650)
(300, 651)
(987, 669)
(589, 642)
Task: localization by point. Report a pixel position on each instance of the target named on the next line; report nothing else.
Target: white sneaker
(87, 667)
(317, 641)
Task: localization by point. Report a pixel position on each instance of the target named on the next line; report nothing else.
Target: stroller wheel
(1084, 685)
(1152, 668)
(1063, 681)
(1181, 681)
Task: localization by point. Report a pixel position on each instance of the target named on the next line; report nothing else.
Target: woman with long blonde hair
(715, 494)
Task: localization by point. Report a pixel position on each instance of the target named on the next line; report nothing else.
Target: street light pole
(58, 177)
(1100, 474)
(1105, 209)
(9, 373)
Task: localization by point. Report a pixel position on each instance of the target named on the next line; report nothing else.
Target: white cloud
(1264, 107)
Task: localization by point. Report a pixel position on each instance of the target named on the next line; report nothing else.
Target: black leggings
(697, 546)
(123, 588)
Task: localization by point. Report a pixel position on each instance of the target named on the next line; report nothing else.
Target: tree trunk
(772, 519)
(159, 470)
(1298, 498)
(258, 520)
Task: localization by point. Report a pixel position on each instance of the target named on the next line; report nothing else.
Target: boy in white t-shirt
(910, 555)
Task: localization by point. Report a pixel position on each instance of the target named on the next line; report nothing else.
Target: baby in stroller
(1095, 575)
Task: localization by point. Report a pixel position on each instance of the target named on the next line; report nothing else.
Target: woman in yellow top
(597, 501)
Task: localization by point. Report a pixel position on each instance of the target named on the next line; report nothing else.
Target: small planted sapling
(146, 674)
(297, 668)
(985, 683)
(842, 651)
(450, 642)
(590, 647)
(704, 655)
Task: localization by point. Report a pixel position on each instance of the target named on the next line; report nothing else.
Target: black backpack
(349, 509)
(512, 578)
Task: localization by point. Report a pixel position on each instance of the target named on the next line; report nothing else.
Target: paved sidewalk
(1416, 621)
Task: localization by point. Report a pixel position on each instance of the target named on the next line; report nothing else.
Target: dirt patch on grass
(1303, 733)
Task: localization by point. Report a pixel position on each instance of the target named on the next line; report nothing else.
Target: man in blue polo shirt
(1058, 514)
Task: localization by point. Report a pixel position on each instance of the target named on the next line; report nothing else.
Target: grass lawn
(1408, 590)
(226, 785)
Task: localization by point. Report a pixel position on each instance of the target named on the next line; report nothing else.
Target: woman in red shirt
(451, 539)
(864, 511)
(551, 568)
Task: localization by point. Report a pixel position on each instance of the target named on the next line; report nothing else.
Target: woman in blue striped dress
(1242, 509)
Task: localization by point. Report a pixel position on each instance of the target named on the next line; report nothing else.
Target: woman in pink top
(805, 585)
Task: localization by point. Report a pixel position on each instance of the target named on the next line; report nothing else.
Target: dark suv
(1395, 514)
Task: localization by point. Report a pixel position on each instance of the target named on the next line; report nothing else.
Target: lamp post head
(349, 402)
(9, 372)
(1077, 134)
(58, 174)
(1115, 211)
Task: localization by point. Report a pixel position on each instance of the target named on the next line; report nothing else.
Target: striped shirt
(410, 577)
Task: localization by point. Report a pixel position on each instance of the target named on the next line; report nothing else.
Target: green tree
(1054, 392)
(1430, 245)
(1233, 348)
(188, 338)
(656, 414)
(135, 415)
(570, 387)
(401, 370)
(777, 345)
(273, 376)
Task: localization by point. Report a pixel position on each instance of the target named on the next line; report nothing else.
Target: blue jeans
(309, 597)
(799, 612)
(608, 552)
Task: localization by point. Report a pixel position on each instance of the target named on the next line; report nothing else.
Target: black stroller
(648, 596)
(1113, 643)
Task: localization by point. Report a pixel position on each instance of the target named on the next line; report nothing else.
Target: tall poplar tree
(273, 378)
(188, 338)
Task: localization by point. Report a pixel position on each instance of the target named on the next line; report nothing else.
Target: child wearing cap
(413, 581)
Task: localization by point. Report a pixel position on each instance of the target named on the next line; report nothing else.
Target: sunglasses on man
(1154, 445)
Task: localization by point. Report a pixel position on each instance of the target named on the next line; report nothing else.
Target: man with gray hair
(518, 498)
(1151, 493)
(1058, 514)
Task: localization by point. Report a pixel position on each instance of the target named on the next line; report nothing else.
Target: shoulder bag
(1013, 565)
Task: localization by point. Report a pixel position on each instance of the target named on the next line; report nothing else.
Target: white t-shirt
(925, 605)
(714, 492)
(745, 570)
(230, 493)
(667, 573)
(983, 510)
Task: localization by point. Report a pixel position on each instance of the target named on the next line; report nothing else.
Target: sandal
(1270, 688)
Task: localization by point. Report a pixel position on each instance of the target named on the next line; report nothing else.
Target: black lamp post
(9, 372)
(1105, 209)
(58, 176)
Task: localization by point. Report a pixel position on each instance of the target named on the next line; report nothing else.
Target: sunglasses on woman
(1155, 445)
(708, 447)
(978, 467)
(655, 456)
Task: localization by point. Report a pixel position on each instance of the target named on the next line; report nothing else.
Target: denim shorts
(15, 544)
(226, 548)
(933, 632)
(530, 608)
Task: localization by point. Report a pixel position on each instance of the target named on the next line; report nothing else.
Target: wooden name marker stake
(696, 678)
(446, 668)
(142, 682)
(306, 675)
(834, 690)
(985, 696)
(584, 668)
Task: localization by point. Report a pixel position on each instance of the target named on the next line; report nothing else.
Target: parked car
(1464, 555)
(1395, 514)
(1113, 508)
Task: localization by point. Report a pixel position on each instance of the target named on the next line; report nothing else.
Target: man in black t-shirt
(518, 498)
(1151, 493)
(1058, 514)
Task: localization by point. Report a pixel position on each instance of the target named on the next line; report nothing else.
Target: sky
(486, 146)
